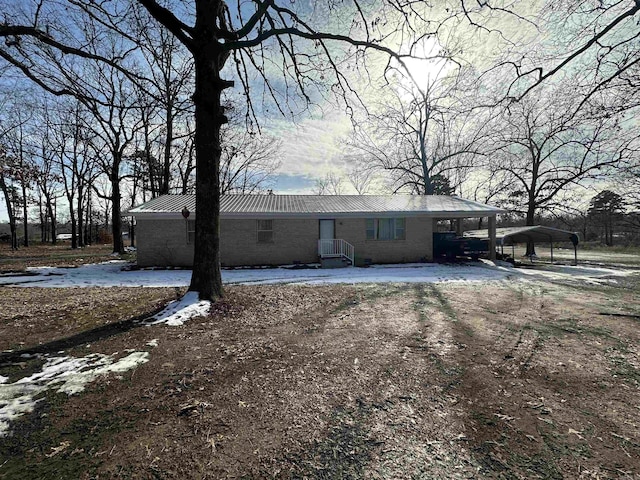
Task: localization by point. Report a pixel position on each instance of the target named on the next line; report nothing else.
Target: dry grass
(61, 255)
(525, 380)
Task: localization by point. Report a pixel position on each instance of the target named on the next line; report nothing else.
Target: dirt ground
(498, 379)
(60, 255)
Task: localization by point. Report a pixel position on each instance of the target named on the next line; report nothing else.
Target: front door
(327, 229)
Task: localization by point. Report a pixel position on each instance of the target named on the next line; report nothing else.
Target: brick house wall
(417, 245)
(163, 242)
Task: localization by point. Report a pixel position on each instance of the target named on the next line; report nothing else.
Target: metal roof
(537, 233)
(236, 205)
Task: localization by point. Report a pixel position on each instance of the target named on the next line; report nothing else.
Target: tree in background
(48, 178)
(329, 184)
(9, 193)
(545, 147)
(164, 99)
(359, 174)
(607, 208)
(248, 160)
(20, 167)
(426, 136)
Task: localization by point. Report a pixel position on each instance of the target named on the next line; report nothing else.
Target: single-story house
(287, 229)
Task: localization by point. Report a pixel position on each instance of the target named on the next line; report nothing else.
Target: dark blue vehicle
(450, 245)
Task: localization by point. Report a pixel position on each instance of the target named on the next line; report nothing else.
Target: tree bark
(43, 221)
(116, 219)
(10, 214)
(80, 219)
(52, 218)
(25, 218)
(209, 115)
(74, 228)
(531, 247)
(166, 166)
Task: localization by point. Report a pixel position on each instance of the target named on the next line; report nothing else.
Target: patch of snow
(581, 273)
(179, 311)
(152, 343)
(3, 379)
(118, 273)
(67, 375)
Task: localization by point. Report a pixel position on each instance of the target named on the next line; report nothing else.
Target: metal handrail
(336, 247)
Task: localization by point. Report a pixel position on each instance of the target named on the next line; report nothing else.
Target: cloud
(313, 146)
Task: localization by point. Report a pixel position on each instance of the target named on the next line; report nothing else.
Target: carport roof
(255, 206)
(537, 233)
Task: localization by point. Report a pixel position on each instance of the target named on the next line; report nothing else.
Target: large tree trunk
(531, 248)
(206, 278)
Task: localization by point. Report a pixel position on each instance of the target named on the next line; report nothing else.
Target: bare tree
(596, 41)
(329, 184)
(546, 147)
(166, 95)
(359, 174)
(186, 154)
(8, 191)
(48, 178)
(21, 167)
(248, 160)
(426, 137)
(114, 126)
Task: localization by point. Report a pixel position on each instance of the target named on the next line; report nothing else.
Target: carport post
(492, 237)
(459, 227)
(551, 240)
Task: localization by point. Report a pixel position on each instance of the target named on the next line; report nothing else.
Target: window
(264, 231)
(385, 229)
(191, 231)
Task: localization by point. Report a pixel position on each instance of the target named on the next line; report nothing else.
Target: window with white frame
(191, 231)
(264, 230)
(385, 229)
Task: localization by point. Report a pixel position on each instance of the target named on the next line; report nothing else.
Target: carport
(533, 233)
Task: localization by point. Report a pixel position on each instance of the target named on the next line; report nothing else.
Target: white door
(327, 229)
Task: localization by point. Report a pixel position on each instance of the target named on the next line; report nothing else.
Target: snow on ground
(179, 311)
(119, 274)
(577, 274)
(111, 274)
(66, 374)
(108, 274)
(70, 375)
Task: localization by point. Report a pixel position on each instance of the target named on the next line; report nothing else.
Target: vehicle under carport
(510, 236)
